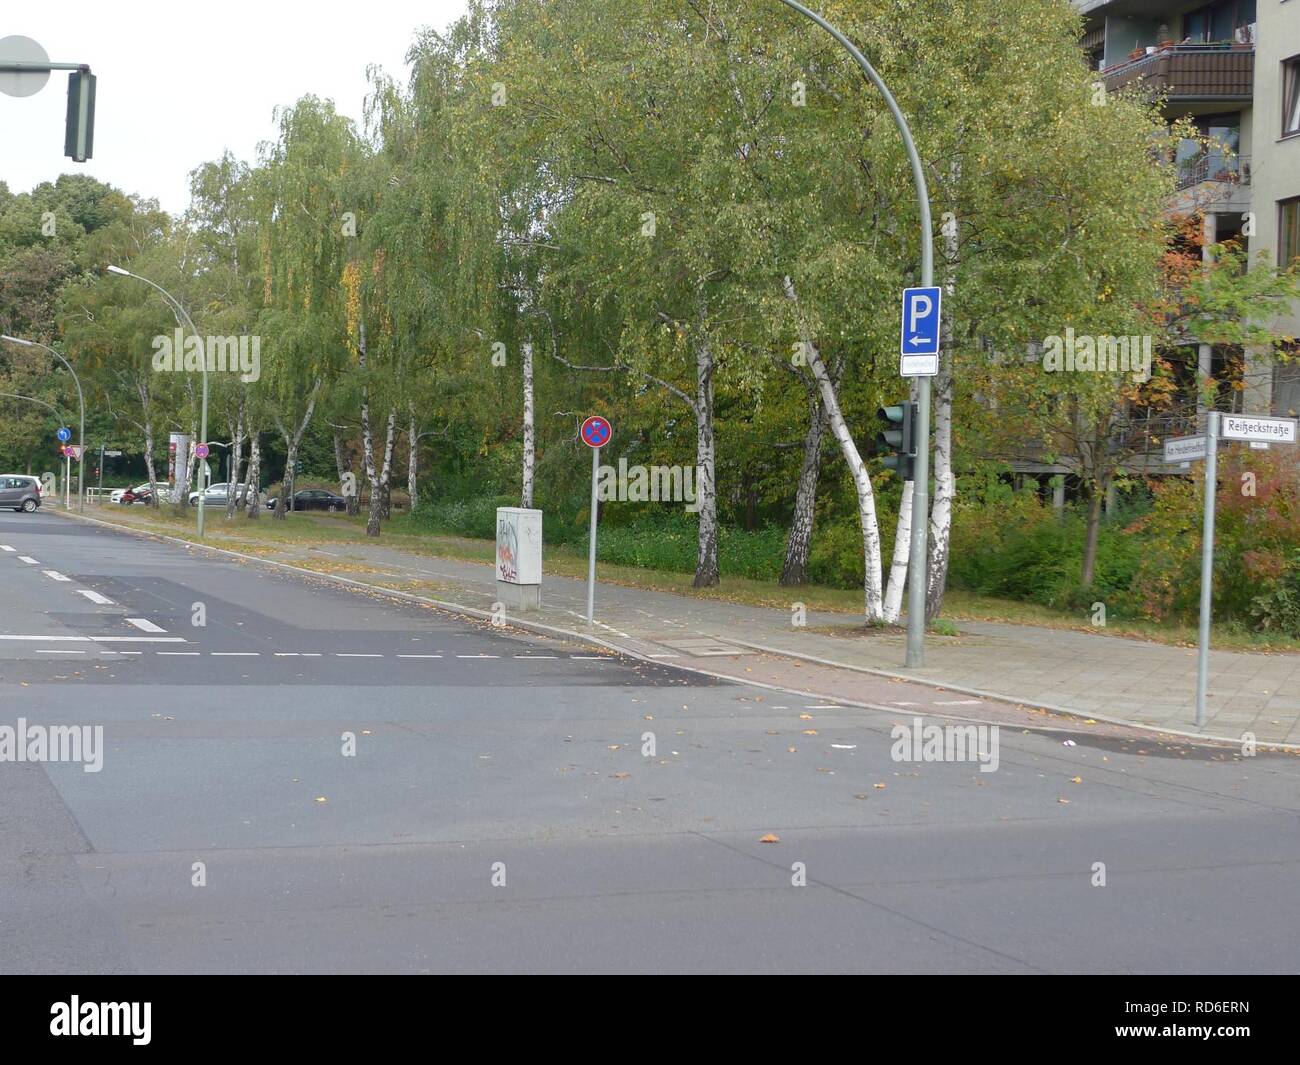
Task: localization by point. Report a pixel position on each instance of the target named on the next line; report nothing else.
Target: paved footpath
(1107, 678)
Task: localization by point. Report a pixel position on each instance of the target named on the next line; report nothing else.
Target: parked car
(313, 499)
(18, 491)
(217, 494)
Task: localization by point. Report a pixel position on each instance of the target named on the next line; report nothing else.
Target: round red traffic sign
(596, 431)
(201, 451)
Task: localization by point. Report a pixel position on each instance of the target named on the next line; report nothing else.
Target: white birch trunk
(236, 462)
(945, 484)
(292, 438)
(254, 474)
(706, 493)
(412, 457)
(902, 553)
(902, 544)
(873, 600)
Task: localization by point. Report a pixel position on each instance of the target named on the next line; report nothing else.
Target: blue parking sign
(920, 334)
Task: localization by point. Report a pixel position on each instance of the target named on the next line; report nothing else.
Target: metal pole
(100, 494)
(180, 313)
(81, 433)
(1207, 565)
(916, 567)
(591, 552)
(67, 481)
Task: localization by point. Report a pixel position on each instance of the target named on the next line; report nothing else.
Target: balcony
(1214, 166)
(1190, 72)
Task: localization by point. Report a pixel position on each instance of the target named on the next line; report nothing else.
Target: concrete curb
(595, 641)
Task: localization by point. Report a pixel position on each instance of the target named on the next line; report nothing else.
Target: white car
(216, 495)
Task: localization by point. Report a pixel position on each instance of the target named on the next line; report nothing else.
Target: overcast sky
(178, 83)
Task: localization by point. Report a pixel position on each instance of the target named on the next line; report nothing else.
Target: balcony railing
(1234, 170)
(1190, 71)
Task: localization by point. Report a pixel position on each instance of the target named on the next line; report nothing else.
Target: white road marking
(906, 704)
(98, 639)
(58, 651)
(145, 625)
(477, 656)
(535, 656)
(176, 653)
(236, 654)
(663, 656)
(5, 547)
(124, 652)
(824, 706)
(55, 575)
(136, 639)
(354, 654)
(28, 559)
(311, 654)
(286, 654)
(425, 656)
(95, 597)
(588, 658)
(958, 702)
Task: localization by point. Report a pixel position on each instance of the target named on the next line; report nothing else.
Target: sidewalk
(1109, 678)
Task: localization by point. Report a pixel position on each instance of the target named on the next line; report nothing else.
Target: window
(1291, 96)
(1288, 235)
(1218, 22)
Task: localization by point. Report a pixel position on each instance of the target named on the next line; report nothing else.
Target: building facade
(1233, 68)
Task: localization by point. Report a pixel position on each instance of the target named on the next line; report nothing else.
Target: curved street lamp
(181, 313)
(81, 432)
(916, 562)
(57, 413)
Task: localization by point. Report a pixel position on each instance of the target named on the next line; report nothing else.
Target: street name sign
(1184, 448)
(918, 341)
(1257, 429)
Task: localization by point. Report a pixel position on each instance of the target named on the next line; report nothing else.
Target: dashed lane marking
(55, 575)
(145, 625)
(95, 597)
(28, 559)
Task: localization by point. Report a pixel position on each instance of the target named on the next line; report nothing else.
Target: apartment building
(1233, 68)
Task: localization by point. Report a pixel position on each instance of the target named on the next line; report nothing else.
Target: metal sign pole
(591, 554)
(67, 479)
(1207, 566)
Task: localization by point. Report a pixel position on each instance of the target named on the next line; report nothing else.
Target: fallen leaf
(1076, 780)
(770, 838)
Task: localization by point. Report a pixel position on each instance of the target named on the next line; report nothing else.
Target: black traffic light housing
(79, 133)
(898, 438)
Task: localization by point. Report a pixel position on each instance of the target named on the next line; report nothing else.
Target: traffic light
(899, 437)
(79, 132)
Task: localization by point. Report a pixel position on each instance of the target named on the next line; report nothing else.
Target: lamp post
(181, 313)
(916, 572)
(81, 431)
(49, 406)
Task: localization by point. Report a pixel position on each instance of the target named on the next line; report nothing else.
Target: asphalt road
(485, 754)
